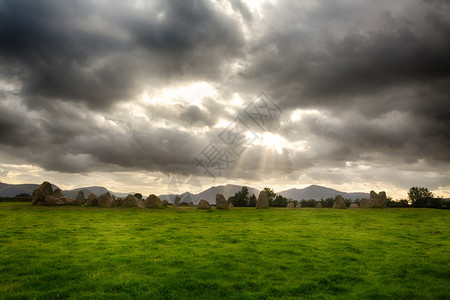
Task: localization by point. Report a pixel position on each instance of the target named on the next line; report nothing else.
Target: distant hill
(10, 190)
(98, 190)
(227, 190)
(209, 194)
(312, 192)
(318, 192)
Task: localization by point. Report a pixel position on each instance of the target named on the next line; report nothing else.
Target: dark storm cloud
(378, 73)
(52, 58)
(194, 115)
(181, 27)
(312, 59)
(363, 65)
(76, 140)
(84, 52)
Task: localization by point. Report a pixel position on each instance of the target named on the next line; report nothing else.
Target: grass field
(76, 252)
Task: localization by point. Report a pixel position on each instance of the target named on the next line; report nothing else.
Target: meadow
(183, 253)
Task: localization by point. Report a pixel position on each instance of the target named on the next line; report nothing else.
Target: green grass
(76, 252)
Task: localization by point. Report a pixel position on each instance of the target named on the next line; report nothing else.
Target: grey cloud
(194, 115)
(325, 68)
(378, 73)
(359, 63)
(85, 52)
(183, 26)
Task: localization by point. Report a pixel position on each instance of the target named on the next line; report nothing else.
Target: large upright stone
(165, 203)
(58, 193)
(70, 201)
(105, 200)
(132, 201)
(44, 195)
(375, 201)
(92, 200)
(382, 198)
(119, 202)
(339, 202)
(354, 205)
(299, 205)
(153, 201)
(364, 203)
(319, 205)
(290, 205)
(203, 204)
(176, 201)
(221, 202)
(38, 196)
(263, 200)
(80, 198)
(51, 200)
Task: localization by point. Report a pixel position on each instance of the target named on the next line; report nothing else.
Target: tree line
(419, 197)
(22, 197)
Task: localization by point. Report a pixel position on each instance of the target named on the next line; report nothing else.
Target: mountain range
(311, 192)
(209, 194)
(11, 190)
(318, 192)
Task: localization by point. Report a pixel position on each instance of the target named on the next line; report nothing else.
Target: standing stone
(80, 198)
(51, 200)
(383, 199)
(377, 201)
(38, 196)
(70, 201)
(105, 200)
(130, 201)
(364, 203)
(221, 202)
(191, 204)
(299, 205)
(203, 204)
(319, 205)
(339, 202)
(374, 201)
(165, 203)
(153, 201)
(58, 193)
(44, 195)
(231, 205)
(290, 205)
(92, 200)
(354, 205)
(263, 200)
(176, 201)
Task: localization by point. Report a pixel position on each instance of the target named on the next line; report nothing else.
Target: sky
(173, 96)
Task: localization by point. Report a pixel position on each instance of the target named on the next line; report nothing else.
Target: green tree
(348, 202)
(138, 195)
(419, 196)
(436, 203)
(308, 203)
(241, 198)
(176, 201)
(279, 201)
(270, 194)
(252, 201)
(328, 202)
(23, 195)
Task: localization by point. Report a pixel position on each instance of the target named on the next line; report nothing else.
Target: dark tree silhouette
(419, 196)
